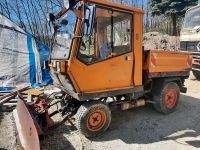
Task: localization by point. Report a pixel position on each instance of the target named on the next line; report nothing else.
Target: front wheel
(167, 98)
(93, 118)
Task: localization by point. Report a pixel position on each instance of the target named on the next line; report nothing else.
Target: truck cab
(105, 56)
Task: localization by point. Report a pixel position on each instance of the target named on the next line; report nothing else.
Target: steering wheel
(83, 44)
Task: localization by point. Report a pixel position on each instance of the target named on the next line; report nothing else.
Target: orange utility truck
(101, 64)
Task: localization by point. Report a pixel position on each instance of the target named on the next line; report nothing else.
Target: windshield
(63, 37)
(192, 19)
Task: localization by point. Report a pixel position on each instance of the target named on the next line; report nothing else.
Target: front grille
(197, 56)
(190, 46)
(196, 66)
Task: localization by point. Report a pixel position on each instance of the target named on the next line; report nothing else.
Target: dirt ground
(139, 129)
(156, 40)
(7, 132)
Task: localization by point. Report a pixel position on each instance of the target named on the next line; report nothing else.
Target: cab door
(104, 60)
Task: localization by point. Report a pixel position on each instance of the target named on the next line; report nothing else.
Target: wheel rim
(170, 98)
(96, 120)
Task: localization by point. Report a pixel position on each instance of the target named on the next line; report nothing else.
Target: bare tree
(31, 15)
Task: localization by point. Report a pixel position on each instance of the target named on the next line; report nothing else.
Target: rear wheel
(93, 118)
(167, 98)
(196, 74)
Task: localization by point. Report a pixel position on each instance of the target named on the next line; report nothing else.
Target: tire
(166, 97)
(196, 74)
(93, 118)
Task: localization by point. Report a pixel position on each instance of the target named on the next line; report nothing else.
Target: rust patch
(26, 128)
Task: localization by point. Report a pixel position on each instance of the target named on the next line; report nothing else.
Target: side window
(111, 37)
(122, 33)
(87, 49)
(104, 35)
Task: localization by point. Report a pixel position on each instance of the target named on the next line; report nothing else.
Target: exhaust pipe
(139, 103)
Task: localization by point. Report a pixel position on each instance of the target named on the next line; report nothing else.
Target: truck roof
(115, 5)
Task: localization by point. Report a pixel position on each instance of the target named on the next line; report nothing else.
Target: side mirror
(64, 22)
(90, 13)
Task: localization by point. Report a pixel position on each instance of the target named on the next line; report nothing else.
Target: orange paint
(123, 71)
(168, 61)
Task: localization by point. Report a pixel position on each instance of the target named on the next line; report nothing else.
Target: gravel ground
(156, 40)
(138, 129)
(7, 132)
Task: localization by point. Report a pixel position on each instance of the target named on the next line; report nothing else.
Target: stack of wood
(8, 99)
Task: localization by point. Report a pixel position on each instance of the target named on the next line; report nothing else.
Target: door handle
(128, 58)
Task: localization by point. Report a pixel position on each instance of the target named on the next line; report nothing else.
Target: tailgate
(168, 61)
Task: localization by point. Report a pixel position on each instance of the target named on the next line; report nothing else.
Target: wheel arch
(178, 80)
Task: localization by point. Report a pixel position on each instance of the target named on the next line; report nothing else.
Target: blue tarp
(2, 89)
(37, 62)
(21, 57)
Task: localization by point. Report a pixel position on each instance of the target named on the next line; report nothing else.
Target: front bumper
(196, 64)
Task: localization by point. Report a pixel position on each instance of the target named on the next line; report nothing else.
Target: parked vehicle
(190, 37)
(104, 66)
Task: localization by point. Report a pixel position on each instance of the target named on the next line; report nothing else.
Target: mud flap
(27, 128)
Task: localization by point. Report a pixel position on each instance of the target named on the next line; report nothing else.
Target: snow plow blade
(28, 129)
